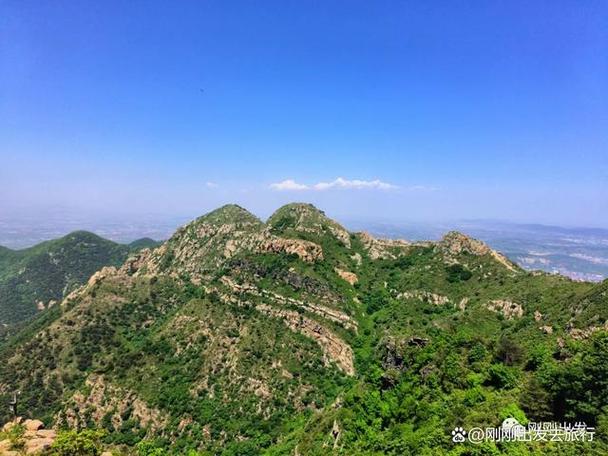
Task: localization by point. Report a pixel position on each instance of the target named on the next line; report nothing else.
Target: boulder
(35, 446)
(350, 277)
(33, 425)
(10, 424)
(46, 433)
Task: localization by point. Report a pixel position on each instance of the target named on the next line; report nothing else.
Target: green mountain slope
(297, 337)
(33, 279)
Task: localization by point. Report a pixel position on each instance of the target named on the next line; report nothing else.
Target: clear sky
(425, 110)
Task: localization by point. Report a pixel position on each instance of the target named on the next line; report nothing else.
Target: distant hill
(36, 278)
(143, 243)
(295, 336)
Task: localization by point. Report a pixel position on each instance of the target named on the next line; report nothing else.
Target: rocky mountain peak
(456, 243)
(236, 321)
(301, 218)
(298, 214)
(229, 214)
(204, 244)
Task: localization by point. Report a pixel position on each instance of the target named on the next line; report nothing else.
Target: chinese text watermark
(512, 431)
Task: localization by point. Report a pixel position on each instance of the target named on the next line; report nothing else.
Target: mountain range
(295, 336)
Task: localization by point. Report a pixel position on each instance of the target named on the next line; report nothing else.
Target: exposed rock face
(102, 399)
(350, 277)
(546, 329)
(297, 281)
(462, 305)
(580, 334)
(334, 348)
(277, 299)
(455, 243)
(341, 234)
(509, 309)
(326, 312)
(426, 296)
(305, 218)
(381, 248)
(335, 433)
(393, 350)
(203, 245)
(136, 262)
(101, 274)
(306, 250)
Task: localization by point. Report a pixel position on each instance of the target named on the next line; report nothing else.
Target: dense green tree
(78, 443)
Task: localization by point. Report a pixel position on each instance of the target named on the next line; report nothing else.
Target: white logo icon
(458, 435)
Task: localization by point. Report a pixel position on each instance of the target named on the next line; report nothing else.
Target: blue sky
(427, 110)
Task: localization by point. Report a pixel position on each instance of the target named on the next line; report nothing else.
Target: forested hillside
(34, 279)
(297, 337)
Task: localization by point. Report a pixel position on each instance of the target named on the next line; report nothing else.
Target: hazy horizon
(580, 253)
(51, 223)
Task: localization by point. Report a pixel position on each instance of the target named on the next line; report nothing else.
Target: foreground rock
(29, 438)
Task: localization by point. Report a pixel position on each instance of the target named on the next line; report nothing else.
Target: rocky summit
(297, 337)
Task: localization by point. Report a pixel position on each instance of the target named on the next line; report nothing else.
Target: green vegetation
(458, 273)
(14, 435)
(32, 278)
(73, 443)
(219, 344)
